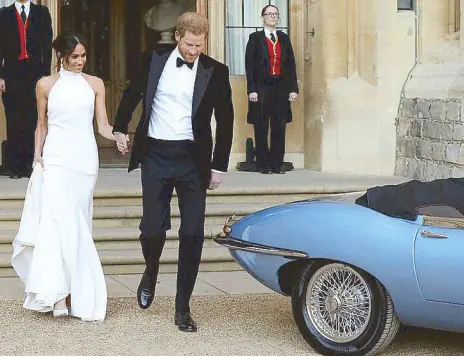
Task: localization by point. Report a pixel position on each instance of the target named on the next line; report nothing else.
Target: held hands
(2, 85)
(38, 159)
(216, 179)
(253, 97)
(122, 142)
(292, 96)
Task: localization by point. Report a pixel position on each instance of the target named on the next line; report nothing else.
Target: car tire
(349, 313)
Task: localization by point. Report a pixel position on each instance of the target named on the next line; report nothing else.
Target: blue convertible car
(358, 265)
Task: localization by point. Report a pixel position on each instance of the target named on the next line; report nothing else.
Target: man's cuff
(217, 171)
(119, 130)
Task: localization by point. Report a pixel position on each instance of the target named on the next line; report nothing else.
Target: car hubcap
(338, 301)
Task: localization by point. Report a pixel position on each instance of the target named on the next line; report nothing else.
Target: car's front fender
(378, 244)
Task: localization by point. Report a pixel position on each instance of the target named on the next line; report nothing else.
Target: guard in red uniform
(271, 86)
(25, 56)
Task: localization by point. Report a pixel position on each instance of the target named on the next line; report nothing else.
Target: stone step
(134, 198)
(215, 258)
(117, 238)
(129, 216)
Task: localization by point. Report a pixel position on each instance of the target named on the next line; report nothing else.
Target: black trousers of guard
(20, 105)
(273, 157)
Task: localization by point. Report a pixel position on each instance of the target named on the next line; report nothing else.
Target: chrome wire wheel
(339, 302)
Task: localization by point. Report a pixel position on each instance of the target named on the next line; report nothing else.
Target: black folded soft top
(404, 200)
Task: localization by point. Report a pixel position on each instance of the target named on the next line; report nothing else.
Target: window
(243, 18)
(405, 4)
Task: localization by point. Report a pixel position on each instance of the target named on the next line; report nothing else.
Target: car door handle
(429, 234)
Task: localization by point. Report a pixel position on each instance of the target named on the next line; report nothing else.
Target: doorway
(117, 33)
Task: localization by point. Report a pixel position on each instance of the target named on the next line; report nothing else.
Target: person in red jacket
(25, 56)
(271, 87)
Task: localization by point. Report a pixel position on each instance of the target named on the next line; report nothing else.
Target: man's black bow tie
(181, 62)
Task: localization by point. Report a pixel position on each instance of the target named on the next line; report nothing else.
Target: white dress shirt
(171, 115)
(27, 7)
(268, 32)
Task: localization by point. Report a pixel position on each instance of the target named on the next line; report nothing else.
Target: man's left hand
(292, 96)
(216, 179)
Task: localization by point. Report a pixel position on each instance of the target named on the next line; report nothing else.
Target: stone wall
(430, 135)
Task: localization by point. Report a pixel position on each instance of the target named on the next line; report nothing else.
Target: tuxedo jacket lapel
(263, 44)
(201, 82)
(156, 69)
(14, 23)
(33, 18)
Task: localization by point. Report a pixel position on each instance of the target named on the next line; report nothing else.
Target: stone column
(295, 137)
(202, 7)
(461, 27)
(335, 48)
(216, 38)
(451, 16)
(117, 41)
(352, 36)
(118, 54)
(54, 7)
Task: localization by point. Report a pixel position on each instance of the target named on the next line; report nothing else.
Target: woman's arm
(104, 128)
(42, 121)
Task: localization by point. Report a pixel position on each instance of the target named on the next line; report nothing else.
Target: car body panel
(381, 245)
(440, 264)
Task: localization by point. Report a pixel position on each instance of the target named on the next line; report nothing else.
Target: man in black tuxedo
(25, 56)
(272, 86)
(173, 142)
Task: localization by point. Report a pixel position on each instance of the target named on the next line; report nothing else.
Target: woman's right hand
(38, 159)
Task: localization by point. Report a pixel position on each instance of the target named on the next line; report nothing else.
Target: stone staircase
(117, 214)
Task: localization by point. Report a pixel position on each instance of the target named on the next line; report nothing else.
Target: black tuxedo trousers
(169, 165)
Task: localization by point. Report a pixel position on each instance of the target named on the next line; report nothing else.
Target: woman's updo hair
(65, 43)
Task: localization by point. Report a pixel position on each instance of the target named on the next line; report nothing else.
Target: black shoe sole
(184, 329)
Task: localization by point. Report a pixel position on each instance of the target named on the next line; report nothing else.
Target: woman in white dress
(54, 253)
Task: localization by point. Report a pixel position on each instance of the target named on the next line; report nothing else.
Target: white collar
(175, 53)
(268, 32)
(27, 6)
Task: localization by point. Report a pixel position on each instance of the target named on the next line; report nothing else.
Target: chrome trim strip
(237, 244)
(429, 234)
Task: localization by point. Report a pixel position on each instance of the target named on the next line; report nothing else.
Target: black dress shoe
(278, 171)
(265, 170)
(185, 322)
(146, 291)
(14, 176)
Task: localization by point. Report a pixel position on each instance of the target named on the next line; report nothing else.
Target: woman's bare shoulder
(95, 82)
(45, 84)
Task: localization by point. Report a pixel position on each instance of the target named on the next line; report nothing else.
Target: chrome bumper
(236, 244)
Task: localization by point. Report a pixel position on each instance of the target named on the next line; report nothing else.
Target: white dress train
(53, 252)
